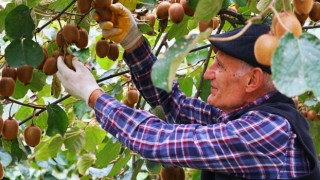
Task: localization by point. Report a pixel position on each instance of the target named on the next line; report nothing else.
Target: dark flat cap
(243, 46)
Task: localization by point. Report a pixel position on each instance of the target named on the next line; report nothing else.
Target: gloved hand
(80, 82)
(124, 30)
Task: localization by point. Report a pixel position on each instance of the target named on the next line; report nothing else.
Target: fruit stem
(278, 17)
(27, 104)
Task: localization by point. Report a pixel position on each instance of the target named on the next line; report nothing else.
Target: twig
(24, 104)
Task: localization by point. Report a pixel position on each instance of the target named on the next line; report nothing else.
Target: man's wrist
(94, 96)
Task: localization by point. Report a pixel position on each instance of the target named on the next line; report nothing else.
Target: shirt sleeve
(178, 107)
(252, 146)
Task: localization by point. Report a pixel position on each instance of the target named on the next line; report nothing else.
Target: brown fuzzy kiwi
(32, 135)
(264, 48)
(9, 72)
(45, 56)
(113, 53)
(25, 74)
(83, 38)
(301, 17)
(173, 172)
(50, 66)
(126, 102)
(57, 53)
(102, 48)
(1, 171)
(187, 9)
(70, 33)
(10, 129)
(151, 18)
(162, 11)
(7, 85)
(59, 39)
(204, 25)
(84, 6)
(104, 14)
(102, 3)
(1, 125)
(290, 22)
(315, 12)
(302, 6)
(133, 96)
(68, 61)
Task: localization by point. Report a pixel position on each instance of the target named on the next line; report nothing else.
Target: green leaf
(205, 90)
(112, 149)
(57, 120)
(186, 85)
(199, 55)
(14, 147)
(33, 3)
(20, 90)
(5, 157)
(94, 136)
(153, 167)
(85, 162)
(18, 23)
(206, 9)
(179, 30)
(81, 108)
(59, 4)
(294, 69)
(23, 112)
(3, 14)
(38, 80)
(74, 140)
(120, 163)
(159, 112)
(263, 4)
(164, 69)
(48, 148)
(136, 168)
(30, 53)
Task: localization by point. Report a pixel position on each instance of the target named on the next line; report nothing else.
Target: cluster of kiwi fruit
(175, 10)
(9, 77)
(267, 43)
(308, 112)
(172, 172)
(72, 34)
(104, 48)
(307, 8)
(9, 129)
(132, 97)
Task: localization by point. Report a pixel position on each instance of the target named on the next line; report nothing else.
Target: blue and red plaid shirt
(258, 145)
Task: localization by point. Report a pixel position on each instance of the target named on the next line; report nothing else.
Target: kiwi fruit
(1, 125)
(204, 25)
(70, 33)
(176, 13)
(126, 102)
(9, 72)
(83, 39)
(104, 14)
(133, 96)
(45, 56)
(59, 39)
(151, 18)
(10, 129)
(290, 22)
(84, 6)
(25, 74)
(174, 1)
(215, 23)
(187, 9)
(102, 48)
(68, 61)
(173, 172)
(162, 11)
(50, 67)
(102, 3)
(7, 86)
(113, 53)
(57, 53)
(311, 114)
(1, 171)
(264, 48)
(301, 17)
(302, 6)
(32, 135)
(315, 12)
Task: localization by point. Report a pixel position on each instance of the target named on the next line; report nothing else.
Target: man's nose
(209, 73)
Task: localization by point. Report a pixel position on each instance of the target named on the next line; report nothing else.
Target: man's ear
(255, 79)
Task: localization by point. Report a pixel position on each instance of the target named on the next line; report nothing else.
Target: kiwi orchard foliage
(48, 134)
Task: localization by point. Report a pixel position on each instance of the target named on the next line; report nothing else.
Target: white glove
(125, 30)
(80, 82)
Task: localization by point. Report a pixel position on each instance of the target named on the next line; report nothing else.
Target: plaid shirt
(258, 145)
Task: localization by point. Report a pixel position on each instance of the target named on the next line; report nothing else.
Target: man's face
(228, 81)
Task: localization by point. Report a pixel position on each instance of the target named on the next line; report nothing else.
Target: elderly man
(246, 129)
